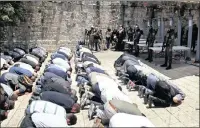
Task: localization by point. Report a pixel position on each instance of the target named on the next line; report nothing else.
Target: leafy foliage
(11, 12)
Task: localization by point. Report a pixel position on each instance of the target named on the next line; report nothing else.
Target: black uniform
(150, 41)
(130, 33)
(121, 35)
(137, 36)
(168, 43)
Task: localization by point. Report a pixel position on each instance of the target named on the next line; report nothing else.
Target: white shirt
(138, 67)
(67, 49)
(32, 59)
(105, 82)
(61, 62)
(48, 120)
(41, 106)
(128, 120)
(114, 93)
(67, 52)
(61, 67)
(85, 50)
(7, 89)
(26, 66)
(3, 61)
(94, 64)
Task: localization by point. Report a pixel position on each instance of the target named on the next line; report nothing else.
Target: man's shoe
(163, 65)
(150, 100)
(145, 99)
(147, 59)
(36, 93)
(142, 92)
(150, 60)
(35, 97)
(169, 67)
(91, 111)
(83, 101)
(139, 91)
(136, 87)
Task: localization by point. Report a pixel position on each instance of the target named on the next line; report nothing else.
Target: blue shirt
(20, 71)
(56, 67)
(39, 52)
(57, 72)
(94, 69)
(151, 81)
(58, 55)
(60, 52)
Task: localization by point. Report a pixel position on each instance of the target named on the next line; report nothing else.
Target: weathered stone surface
(68, 20)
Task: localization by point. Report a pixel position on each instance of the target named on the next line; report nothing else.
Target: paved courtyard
(185, 115)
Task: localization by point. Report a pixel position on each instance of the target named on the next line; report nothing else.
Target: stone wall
(51, 24)
(60, 24)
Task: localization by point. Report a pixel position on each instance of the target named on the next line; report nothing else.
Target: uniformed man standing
(130, 37)
(96, 39)
(168, 44)
(91, 38)
(150, 41)
(121, 36)
(137, 36)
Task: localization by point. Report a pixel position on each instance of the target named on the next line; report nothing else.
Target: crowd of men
(54, 102)
(107, 101)
(154, 89)
(115, 37)
(19, 69)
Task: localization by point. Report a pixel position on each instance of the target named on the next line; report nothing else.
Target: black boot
(164, 65)
(150, 60)
(147, 58)
(169, 67)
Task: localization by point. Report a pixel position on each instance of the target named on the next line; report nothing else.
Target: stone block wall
(54, 24)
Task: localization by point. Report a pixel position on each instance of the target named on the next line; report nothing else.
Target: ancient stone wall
(54, 24)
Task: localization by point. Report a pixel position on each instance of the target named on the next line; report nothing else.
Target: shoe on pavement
(169, 67)
(145, 99)
(163, 65)
(83, 100)
(150, 101)
(91, 111)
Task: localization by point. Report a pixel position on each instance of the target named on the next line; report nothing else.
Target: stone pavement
(184, 115)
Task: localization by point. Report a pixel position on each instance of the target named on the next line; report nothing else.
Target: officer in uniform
(150, 41)
(137, 36)
(91, 38)
(130, 38)
(168, 44)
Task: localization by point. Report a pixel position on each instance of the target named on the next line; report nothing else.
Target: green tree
(11, 13)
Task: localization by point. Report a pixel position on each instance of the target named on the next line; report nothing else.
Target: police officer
(150, 40)
(168, 44)
(121, 36)
(137, 36)
(96, 39)
(91, 38)
(130, 38)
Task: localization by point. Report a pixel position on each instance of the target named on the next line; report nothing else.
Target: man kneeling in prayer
(164, 95)
(41, 106)
(110, 108)
(37, 120)
(103, 91)
(63, 100)
(129, 120)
